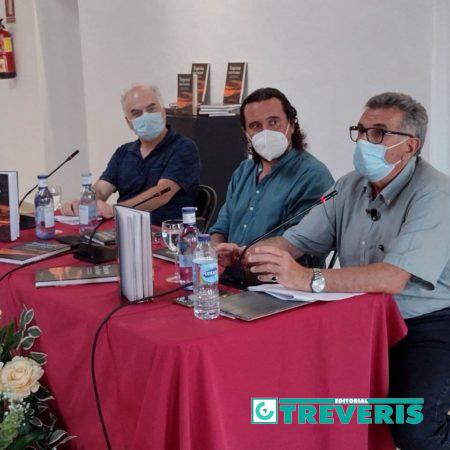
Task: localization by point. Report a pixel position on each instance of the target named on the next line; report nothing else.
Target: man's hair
(298, 136)
(415, 118)
(152, 87)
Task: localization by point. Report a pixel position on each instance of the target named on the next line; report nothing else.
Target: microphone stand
(27, 222)
(97, 254)
(236, 276)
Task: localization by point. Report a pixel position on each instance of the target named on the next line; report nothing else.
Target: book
(9, 207)
(107, 237)
(235, 82)
(202, 72)
(165, 254)
(133, 232)
(249, 305)
(71, 275)
(187, 93)
(31, 252)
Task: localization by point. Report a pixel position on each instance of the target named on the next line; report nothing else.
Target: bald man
(159, 158)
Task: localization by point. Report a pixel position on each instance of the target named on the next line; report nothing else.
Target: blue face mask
(369, 160)
(148, 126)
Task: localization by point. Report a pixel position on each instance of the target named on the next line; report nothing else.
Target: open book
(279, 291)
(134, 238)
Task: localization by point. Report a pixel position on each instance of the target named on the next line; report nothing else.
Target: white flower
(19, 377)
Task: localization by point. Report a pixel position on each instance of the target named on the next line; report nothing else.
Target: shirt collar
(390, 192)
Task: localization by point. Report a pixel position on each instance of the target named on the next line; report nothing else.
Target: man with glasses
(390, 223)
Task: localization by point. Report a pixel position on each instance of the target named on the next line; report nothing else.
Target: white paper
(68, 220)
(279, 291)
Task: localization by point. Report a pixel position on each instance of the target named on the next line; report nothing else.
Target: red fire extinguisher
(7, 66)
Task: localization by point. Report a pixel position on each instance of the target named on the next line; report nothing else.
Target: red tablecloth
(169, 381)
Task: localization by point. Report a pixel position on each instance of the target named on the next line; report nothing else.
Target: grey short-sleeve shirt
(412, 231)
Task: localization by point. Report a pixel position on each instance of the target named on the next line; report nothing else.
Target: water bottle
(88, 206)
(44, 212)
(206, 277)
(187, 244)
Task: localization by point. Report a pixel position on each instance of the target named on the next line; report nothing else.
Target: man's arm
(380, 277)
(217, 238)
(157, 202)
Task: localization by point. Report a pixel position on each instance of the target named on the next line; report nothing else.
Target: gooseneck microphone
(236, 276)
(96, 254)
(75, 153)
(27, 222)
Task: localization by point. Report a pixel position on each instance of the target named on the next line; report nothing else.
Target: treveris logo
(264, 410)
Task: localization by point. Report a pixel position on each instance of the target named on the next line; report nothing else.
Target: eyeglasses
(374, 135)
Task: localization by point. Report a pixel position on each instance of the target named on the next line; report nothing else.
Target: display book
(31, 252)
(72, 275)
(9, 206)
(234, 91)
(133, 235)
(187, 93)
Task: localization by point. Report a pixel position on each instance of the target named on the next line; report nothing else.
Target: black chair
(206, 206)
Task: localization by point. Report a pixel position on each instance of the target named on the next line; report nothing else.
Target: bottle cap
(86, 178)
(42, 180)
(189, 214)
(204, 237)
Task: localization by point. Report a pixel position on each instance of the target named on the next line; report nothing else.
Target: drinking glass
(56, 192)
(171, 231)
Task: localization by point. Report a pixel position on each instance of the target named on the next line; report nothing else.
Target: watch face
(318, 285)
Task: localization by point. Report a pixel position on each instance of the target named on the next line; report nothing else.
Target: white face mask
(270, 144)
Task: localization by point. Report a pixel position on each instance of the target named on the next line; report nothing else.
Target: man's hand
(70, 208)
(104, 209)
(269, 262)
(228, 253)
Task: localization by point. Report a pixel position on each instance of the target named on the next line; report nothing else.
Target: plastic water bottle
(206, 277)
(88, 206)
(44, 212)
(187, 244)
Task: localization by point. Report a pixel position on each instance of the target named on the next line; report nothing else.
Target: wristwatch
(318, 281)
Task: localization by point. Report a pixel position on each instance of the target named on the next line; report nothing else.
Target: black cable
(33, 262)
(94, 347)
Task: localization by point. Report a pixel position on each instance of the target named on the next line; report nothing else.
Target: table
(169, 381)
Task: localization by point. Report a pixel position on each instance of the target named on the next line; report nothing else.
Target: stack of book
(219, 110)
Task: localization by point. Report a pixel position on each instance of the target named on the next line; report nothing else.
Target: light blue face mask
(370, 162)
(148, 126)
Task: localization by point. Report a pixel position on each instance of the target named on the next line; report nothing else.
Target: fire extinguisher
(7, 66)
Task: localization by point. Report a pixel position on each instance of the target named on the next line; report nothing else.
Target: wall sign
(10, 11)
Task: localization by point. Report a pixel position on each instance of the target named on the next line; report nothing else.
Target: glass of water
(56, 192)
(171, 231)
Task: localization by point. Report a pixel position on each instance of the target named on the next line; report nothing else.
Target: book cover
(71, 275)
(107, 237)
(235, 83)
(9, 207)
(187, 93)
(202, 72)
(165, 254)
(31, 251)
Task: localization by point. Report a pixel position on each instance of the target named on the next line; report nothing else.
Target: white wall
(75, 57)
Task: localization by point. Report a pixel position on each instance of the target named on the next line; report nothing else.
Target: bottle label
(189, 218)
(87, 213)
(49, 216)
(209, 273)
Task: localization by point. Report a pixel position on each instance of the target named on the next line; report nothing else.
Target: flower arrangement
(26, 422)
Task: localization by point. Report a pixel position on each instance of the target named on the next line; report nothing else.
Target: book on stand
(187, 94)
(235, 83)
(202, 72)
(72, 275)
(31, 252)
(133, 234)
(9, 207)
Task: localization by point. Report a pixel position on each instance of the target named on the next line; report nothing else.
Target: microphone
(238, 277)
(97, 254)
(27, 222)
(374, 214)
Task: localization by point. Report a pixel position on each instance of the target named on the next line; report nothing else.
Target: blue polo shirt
(175, 158)
(295, 182)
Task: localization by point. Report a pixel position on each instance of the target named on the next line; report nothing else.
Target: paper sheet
(279, 291)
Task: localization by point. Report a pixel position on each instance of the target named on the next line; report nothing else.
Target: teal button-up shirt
(296, 181)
